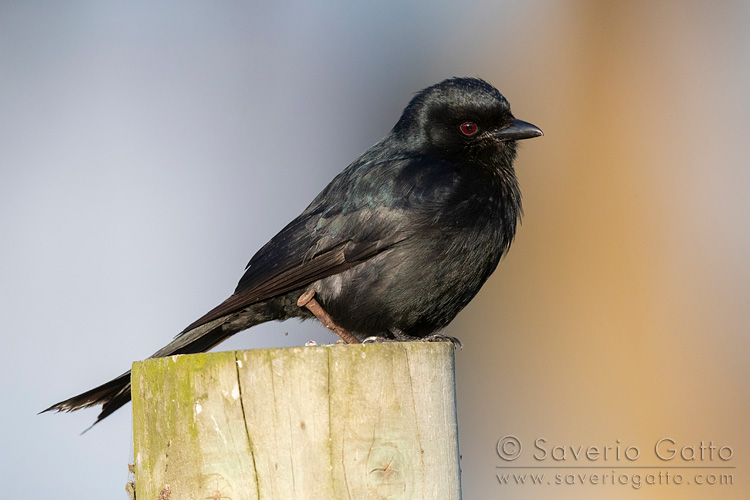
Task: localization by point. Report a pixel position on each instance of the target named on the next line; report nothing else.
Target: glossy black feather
(396, 245)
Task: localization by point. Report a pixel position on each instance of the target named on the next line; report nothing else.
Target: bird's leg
(307, 300)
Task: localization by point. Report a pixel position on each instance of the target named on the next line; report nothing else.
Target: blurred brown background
(148, 149)
(621, 312)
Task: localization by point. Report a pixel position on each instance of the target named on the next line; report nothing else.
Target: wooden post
(372, 421)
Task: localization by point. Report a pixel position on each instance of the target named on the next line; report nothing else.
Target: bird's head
(463, 119)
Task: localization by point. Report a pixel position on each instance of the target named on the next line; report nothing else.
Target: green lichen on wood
(370, 421)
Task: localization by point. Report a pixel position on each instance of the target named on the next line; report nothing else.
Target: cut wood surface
(372, 421)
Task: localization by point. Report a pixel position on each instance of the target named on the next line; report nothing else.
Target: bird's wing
(292, 276)
(365, 210)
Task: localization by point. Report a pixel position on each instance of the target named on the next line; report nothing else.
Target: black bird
(394, 247)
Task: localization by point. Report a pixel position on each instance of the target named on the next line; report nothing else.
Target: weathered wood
(373, 421)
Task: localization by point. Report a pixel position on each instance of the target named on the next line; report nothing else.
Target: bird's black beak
(518, 130)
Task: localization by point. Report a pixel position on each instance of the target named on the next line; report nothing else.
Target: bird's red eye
(469, 128)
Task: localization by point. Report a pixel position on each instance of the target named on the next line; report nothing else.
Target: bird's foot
(307, 300)
(402, 337)
(443, 338)
(376, 340)
(399, 336)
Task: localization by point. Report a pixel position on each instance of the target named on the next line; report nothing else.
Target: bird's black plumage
(396, 245)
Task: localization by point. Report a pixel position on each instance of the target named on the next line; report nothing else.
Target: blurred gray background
(148, 149)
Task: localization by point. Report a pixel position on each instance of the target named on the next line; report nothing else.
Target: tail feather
(116, 393)
(200, 338)
(96, 396)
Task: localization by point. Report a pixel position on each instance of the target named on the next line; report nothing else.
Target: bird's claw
(401, 337)
(443, 338)
(376, 340)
